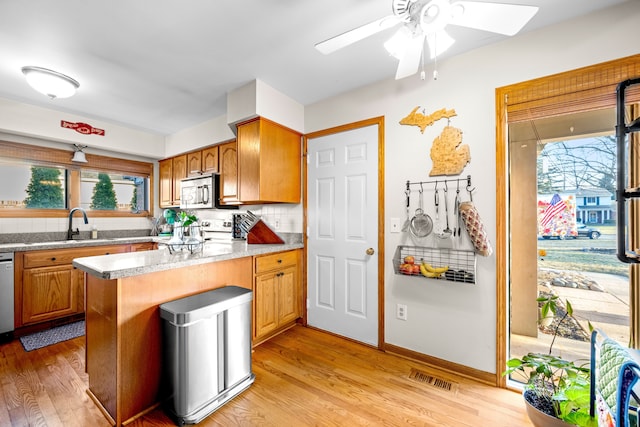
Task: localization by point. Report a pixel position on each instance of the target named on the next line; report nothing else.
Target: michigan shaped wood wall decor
(448, 154)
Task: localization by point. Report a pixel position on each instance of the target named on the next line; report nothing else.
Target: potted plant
(557, 390)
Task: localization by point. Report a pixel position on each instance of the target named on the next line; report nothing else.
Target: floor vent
(429, 379)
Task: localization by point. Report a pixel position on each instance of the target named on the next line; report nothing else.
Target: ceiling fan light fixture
(49, 82)
(457, 10)
(439, 43)
(397, 44)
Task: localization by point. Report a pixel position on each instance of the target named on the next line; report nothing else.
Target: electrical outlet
(401, 311)
(277, 224)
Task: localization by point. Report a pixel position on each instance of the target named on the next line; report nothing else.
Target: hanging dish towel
(475, 229)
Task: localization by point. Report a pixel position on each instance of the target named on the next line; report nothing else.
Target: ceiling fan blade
(357, 34)
(505, 19)
(439, 42)
(410, 59)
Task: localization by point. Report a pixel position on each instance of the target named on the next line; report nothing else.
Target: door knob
(370, 251)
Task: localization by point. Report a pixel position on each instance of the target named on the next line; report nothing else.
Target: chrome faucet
(70, 232)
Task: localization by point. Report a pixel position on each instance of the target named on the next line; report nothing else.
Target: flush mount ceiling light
(50, 83)
(79, 156)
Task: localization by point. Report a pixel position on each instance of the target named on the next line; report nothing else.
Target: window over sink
(45, 183)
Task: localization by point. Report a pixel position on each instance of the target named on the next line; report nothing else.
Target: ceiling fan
(426, 20)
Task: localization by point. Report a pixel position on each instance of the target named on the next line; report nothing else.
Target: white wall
(37, 122)
(211, 132)
(456, 322)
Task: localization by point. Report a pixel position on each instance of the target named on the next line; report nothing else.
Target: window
(113, 192)
(591, 200)
(32, 186)
(45, 183)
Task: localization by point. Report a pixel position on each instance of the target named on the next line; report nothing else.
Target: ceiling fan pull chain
(435, 58)
(423, 75)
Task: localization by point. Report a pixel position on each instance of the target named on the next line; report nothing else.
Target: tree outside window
(104, 196)
(45, 189)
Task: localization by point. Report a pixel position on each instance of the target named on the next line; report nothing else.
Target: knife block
(261, 233)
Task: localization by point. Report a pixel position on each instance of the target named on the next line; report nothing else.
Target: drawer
(275, 261)
(52, 257)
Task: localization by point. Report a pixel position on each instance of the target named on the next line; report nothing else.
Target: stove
(218, 229)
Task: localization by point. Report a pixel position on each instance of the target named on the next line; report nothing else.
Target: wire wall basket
(453, 265)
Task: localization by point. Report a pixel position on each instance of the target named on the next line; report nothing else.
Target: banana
(426, 273)
(432, 269)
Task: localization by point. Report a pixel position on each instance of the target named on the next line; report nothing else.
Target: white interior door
(342, 211)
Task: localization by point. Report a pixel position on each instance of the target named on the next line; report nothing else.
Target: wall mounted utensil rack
(461, 263)
(436, 182)
(623, 193)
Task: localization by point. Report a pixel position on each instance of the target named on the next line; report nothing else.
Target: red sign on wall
(82, 128)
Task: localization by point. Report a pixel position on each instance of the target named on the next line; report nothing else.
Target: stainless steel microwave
(201, 192)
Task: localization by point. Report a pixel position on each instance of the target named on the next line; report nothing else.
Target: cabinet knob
(279, 261)
(53, 258)
(370, 251)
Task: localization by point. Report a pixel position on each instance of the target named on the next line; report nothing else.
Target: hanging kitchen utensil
(446, 233)
(436, 201)
(405, 226)
(456, 212)
(421, 223)
(475, 228)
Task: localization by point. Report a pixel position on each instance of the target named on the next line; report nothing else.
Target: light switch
(395, 225)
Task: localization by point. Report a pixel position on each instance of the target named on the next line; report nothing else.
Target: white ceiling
(166, 65)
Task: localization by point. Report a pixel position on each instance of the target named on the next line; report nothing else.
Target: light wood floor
(303, 378)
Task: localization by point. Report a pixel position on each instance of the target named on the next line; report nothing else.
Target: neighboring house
(594, 206)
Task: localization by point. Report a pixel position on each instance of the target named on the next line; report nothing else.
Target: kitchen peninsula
(123, 326)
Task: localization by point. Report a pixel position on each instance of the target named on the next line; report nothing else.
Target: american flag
(556, 206)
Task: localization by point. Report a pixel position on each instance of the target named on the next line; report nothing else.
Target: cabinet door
(288, 306)
(282, 147)
(194, 163)
(166, 182)
(266, 301)
(269, 163)
(210, 160)
(229, 172)
(179, 172)
(49, 293)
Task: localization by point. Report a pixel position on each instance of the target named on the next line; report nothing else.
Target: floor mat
(52, 336)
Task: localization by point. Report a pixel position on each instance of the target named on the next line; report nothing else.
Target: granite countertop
(116, 266)
(68, 244)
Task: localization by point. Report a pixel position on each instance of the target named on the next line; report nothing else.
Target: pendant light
(49, 82)
(79, 156)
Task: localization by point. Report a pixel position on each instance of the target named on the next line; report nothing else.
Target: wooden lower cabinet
(47, 287)
(276, 293)
(51, 292)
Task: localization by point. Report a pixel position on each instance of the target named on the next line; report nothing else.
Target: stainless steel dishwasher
(6, 296)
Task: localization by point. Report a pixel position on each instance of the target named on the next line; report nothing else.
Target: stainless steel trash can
(207, 350)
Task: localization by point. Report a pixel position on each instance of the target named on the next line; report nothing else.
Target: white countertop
(129, 264)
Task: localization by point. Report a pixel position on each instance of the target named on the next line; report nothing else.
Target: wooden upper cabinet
(210, 160)
(179, 173)
(171, 170)
(269, 157)
(165, 168)
(202, 161)
(228, 173)
(194, 163)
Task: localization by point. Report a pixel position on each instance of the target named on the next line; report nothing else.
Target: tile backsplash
(282, 218)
